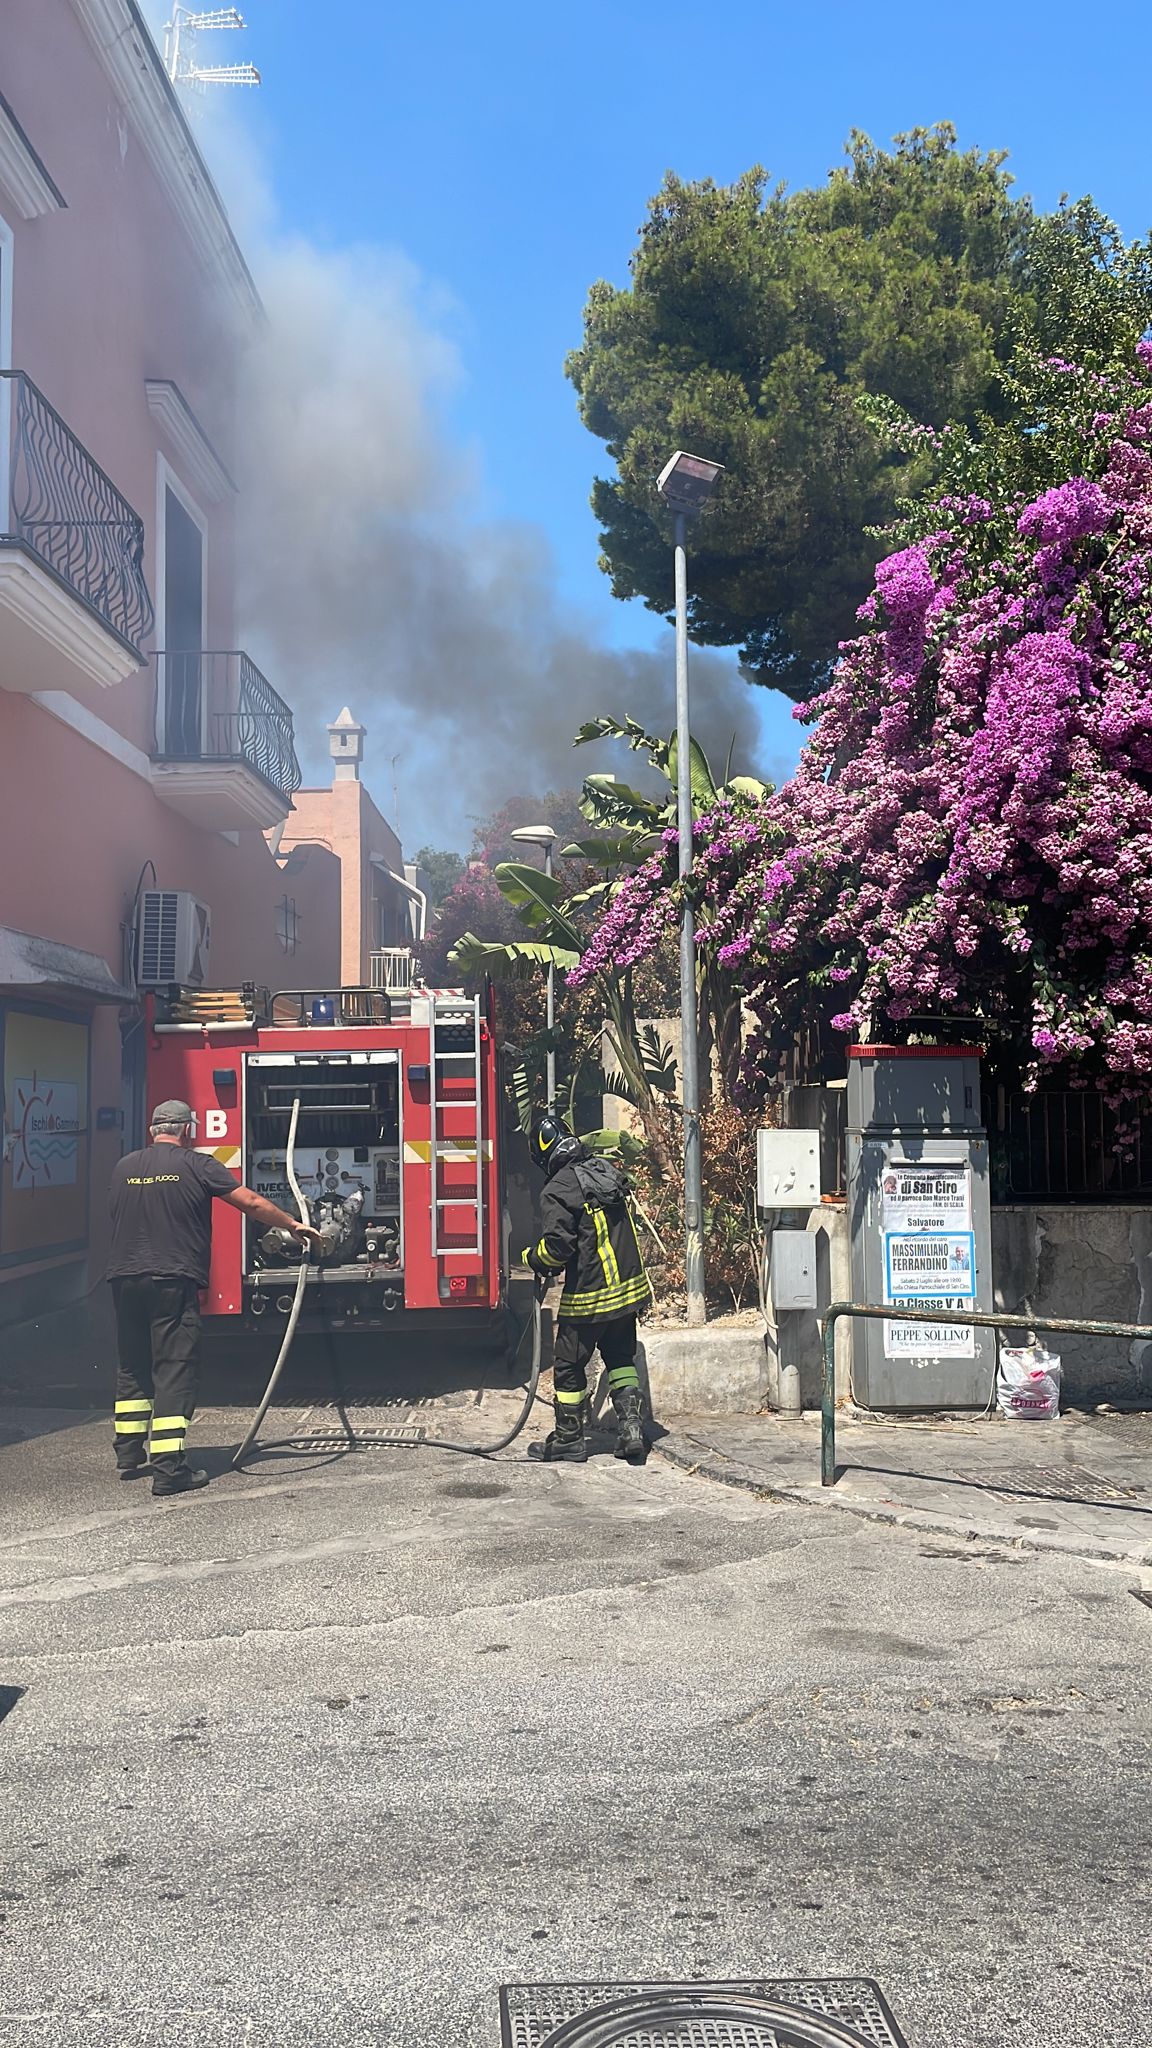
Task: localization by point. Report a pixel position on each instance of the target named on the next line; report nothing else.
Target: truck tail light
(463, 1287)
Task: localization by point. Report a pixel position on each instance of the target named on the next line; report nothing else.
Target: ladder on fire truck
(456, 1057)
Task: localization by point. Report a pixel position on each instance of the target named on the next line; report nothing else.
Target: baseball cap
(172, 1112)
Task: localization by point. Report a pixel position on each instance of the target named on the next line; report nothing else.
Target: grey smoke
(368, 575)
(367, 580)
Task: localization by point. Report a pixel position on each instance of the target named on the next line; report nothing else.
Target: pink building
(138, 744)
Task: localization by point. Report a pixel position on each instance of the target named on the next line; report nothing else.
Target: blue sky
(508, 152)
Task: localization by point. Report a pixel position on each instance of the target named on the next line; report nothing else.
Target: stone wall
(1089, 1263)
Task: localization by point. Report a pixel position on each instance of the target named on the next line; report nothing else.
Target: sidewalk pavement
(1081, 1485)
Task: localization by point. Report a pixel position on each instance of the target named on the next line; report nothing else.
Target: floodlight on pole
(543, 835)
(685, 484)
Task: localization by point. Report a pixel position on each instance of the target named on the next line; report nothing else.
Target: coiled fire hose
(376, 1442)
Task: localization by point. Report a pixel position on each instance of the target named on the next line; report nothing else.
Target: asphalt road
(325, 1755)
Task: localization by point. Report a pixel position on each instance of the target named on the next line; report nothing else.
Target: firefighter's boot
(567, 1443)
(185, 1479)
(629, 1405)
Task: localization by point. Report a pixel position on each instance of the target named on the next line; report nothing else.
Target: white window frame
(7, 258)
(167, 480)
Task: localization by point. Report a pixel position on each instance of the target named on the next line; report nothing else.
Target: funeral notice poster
(929, 1256)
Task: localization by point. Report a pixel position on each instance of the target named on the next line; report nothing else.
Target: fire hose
(376, 1442)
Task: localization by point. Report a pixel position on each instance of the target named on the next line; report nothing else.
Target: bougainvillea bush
(968, 837)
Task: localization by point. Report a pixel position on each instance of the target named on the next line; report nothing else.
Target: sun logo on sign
(43, 1143)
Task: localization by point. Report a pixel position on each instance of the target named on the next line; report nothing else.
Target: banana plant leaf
(623, 851)
(614, 805)
(513, 962)
(630, 1148)
(537, 898)
(704, 790)
(640, 741)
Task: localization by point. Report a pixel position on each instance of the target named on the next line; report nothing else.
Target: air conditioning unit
(173, 937)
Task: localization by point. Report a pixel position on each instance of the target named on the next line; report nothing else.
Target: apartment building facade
(139, 745)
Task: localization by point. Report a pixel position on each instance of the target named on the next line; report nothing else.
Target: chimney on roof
(346, 746)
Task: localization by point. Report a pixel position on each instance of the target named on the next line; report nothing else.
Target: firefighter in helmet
(586, 1231)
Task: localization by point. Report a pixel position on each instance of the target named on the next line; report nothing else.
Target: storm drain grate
(1055, 1482)
(321, 1439)
(778, 2013)
(9, 1694)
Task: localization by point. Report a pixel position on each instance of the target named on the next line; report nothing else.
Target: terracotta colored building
(138, 743)
(382, 906)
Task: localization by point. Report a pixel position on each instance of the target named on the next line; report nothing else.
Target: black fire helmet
(553, 1143)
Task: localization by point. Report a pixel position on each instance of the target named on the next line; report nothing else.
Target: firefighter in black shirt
(587, 1232)
(161, 1202)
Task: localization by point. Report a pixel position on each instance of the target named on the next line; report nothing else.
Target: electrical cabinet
(787, 1169)
(793, 1269)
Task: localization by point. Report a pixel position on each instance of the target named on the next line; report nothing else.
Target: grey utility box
(792, 1275)
(913, 1088)
(919, 1217)
(787, 1169)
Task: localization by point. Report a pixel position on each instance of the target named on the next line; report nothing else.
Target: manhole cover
(1055, 1482)
(368, 1400)
(780, 2014)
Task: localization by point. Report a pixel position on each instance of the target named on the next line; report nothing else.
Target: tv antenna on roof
(180, 48)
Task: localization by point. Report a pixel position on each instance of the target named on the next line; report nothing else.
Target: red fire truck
(397, 1151)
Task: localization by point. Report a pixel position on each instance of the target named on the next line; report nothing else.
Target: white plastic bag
(1028, 1383)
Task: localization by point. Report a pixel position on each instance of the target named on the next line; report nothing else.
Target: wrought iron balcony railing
(58, 505)
(214, 705)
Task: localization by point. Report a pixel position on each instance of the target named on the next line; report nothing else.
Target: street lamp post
(685, 483)
(543, 835)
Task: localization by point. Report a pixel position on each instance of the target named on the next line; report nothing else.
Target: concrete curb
(713, 1465)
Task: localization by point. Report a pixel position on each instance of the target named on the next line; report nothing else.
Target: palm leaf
(523, 1096)
(658, 1059)
(620, 1088)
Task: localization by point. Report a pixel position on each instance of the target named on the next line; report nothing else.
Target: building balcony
(225, 748)
(390, 967)
(71, 554)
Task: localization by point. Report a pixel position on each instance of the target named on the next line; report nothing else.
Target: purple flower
(1066, 513)
(906, 583)
(970, 825)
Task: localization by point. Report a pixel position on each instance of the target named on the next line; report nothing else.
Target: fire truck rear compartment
(347, 1159)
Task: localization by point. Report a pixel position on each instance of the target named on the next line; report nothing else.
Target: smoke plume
(367, 580)
(368, 577)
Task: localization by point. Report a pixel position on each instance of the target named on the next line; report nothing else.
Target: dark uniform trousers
(575, 1342)
(158, 1328)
